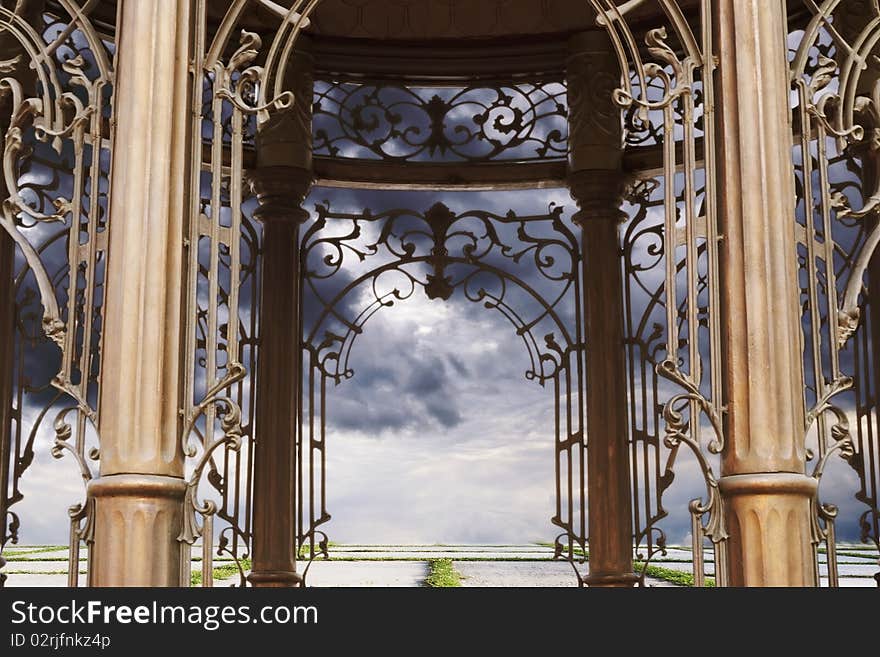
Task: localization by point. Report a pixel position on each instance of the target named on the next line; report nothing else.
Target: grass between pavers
(866, 555)
(46, 572)
(578, 552)
(221, 572)
(36, 549)
(670, 575)
(441, 574)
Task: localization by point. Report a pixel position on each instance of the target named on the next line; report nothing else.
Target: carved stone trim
(768, 483)
(137, 519)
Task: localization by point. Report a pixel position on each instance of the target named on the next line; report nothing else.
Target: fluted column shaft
(596, 181)
(766, 493)
(139, 494)
(281, 181)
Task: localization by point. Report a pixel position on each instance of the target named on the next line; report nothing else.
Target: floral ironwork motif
(391, 121)
(670, 256)
(55, 82)
(835, 74)
(223, 307)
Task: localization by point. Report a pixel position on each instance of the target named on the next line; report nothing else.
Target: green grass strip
(221, 572)
(674, 576)
(47, 572)
(12, 559)
(441, 574)
(36, 550)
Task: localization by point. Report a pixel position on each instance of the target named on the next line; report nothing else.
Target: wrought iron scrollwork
(55, 83)
(223, 294)
(670, 253)
(395, 122)
(835, 74)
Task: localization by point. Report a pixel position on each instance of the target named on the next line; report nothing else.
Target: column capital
(284, 137)
(594, 119)
(595, 177)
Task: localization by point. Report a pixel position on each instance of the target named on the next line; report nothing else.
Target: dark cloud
(444, 412)
(458, 365)
(428, 377)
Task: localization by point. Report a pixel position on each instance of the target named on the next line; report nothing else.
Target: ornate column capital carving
(594, 120)
(595, 178)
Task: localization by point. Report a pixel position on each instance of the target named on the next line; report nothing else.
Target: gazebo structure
(175, 312)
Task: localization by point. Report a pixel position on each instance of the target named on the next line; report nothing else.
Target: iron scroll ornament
(836, 91)
(57, 86)
(388, 121)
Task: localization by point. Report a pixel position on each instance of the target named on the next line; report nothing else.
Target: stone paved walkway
(526, 565)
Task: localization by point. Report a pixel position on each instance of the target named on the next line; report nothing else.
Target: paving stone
(499, 573)
(36, 580)
(366, 573)
(40, 566)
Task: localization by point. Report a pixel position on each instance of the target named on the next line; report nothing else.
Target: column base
(768, 519)
(137, 521)
(275, 579)
(615, 581)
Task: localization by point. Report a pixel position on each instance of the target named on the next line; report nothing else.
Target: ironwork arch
(438, 252)
(665, 95)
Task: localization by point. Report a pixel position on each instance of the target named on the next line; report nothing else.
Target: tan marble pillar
(596, 183)
(139, 494)
(281, 181)
(766, 493)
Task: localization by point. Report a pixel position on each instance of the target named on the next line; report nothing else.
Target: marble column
(596, 183)
(765, 490)
(139, 494)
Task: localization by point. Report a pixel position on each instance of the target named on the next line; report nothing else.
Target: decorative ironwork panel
(669, 249)
(525, 267)
(222, 289)
(394, 122)
(835, 81)
(670, 261)
(55, 84)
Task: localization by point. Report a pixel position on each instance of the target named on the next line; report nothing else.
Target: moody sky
(438, 437)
